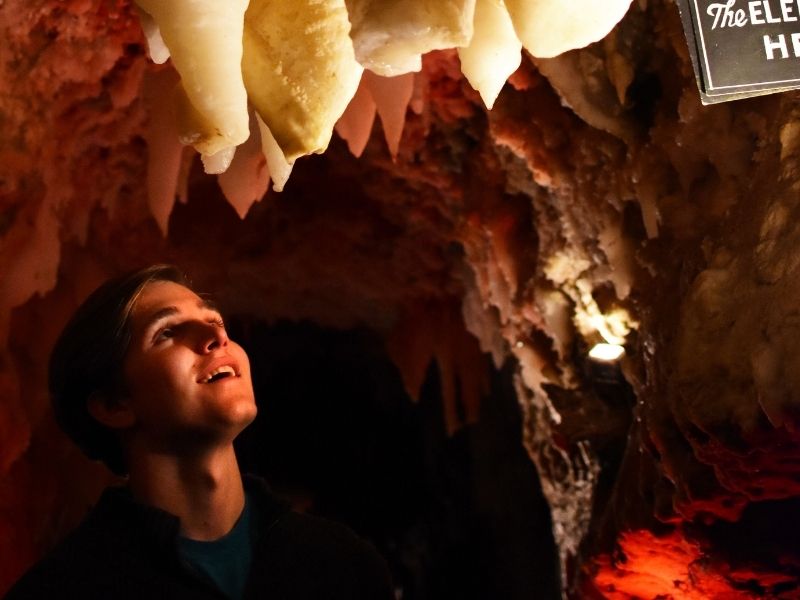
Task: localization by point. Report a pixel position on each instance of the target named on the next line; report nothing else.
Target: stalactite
(434, 332)
(391, 96)
(355, 124)
(247, 179)
(165, 152)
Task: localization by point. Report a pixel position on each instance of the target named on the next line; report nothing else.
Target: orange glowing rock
(14, 427)
(164, 150)
(35, 267)
(17, 546)
(671, 566)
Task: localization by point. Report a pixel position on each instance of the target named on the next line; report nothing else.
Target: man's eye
(163, 334)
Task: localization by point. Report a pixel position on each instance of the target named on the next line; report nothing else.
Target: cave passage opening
(459, 516)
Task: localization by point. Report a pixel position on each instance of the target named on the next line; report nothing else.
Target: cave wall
(598, 187)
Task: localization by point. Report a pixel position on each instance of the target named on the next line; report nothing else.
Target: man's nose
(212, 336)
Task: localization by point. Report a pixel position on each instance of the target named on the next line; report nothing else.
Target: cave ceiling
(596, 200)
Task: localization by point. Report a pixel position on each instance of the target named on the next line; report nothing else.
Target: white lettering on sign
(759, 12)
(725, 16)
(786, 11)
(755, 13)
(768, 13)
(742, 48)
(771, 45)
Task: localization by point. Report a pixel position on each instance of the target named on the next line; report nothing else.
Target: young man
(145, 378)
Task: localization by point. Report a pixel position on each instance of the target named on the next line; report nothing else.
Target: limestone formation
(597, 201)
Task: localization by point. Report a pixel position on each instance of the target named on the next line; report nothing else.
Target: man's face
(187, 384)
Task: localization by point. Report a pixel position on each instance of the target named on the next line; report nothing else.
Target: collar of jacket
(139, 523)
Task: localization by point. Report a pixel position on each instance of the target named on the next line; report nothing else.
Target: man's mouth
(218, 374)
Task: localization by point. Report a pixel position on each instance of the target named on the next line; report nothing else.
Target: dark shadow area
(766, 535)
(459, 517)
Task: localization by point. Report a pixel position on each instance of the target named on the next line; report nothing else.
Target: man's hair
(88, 359)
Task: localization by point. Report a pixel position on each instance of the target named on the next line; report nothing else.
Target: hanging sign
(743, 48)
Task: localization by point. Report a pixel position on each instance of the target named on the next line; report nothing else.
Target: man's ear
(113, 413)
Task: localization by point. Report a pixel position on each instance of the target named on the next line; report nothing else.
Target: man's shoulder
(74, 563)
(90, 562)
(304, 556)
(322, 534)
(300, 531)
(318, 558)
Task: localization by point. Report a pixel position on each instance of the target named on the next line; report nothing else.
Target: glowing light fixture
(606, 352)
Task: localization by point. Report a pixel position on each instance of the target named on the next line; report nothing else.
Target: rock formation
(597, 199)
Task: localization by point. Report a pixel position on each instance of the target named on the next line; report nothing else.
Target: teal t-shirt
(226, 561)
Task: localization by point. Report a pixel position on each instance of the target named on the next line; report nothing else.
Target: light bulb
(606, 352)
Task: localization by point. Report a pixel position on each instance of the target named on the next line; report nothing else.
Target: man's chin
(242, 413)
(249, 416)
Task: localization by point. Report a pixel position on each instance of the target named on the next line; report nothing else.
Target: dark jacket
(124, 549)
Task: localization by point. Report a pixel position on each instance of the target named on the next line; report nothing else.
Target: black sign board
(743, 48)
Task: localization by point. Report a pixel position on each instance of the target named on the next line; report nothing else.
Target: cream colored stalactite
(279, 167)
(298, 64)
(548, 28)
(193, 126)
(390, 36)
(300, 70)
(204, 38)
(156, 48)
(494, 52)
(218, 163)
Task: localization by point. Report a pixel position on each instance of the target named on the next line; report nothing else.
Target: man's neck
(204, 491)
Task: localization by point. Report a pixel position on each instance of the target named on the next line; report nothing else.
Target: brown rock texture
(598, 187)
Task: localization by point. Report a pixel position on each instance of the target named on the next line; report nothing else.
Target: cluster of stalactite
(598, 192)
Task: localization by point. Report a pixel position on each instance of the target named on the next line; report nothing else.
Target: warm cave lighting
(606, 352)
